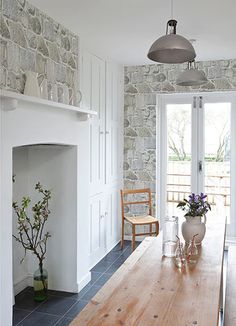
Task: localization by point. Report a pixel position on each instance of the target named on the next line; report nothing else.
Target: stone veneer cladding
(142, 84)
(31, 40)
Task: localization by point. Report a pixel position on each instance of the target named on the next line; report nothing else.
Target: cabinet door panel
(112, 217)
(113, 91)
(97, 229)
(94, 83)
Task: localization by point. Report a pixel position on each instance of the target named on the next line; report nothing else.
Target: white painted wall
(37, 124)
(20, 189)
(56, 168)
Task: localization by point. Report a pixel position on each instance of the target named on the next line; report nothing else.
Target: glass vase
(170, 231)
(40, 284)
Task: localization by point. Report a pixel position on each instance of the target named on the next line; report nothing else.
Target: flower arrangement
(196, 205)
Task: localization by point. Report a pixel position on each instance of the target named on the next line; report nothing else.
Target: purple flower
(195, 205)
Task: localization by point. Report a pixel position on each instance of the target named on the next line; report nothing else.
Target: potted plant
(195, 207)
(30, 233)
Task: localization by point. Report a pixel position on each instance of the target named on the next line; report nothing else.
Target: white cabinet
(104, 223)
(102, 90)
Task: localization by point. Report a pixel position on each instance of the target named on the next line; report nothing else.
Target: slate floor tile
(101, 267)
(76, 308)
(56, 305)
(113, 268)
(39, 319)
(103, 279)
(112, 256)
(91, 293)
(84, 290)
(94, 277)
(64, 321)
(25, 301)
(70, 295)
(19, 315)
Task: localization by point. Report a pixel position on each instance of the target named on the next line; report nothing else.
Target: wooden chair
(140, 219)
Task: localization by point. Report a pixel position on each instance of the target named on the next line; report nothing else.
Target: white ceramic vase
(194, 225)
(31, 84)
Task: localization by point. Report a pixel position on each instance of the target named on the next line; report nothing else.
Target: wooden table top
(149, 289)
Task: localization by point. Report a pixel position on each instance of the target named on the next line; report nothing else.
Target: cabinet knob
(107, 132)
(101, 216)
(101, 132)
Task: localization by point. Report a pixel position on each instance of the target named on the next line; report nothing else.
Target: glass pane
(179, 155)
(217, 157)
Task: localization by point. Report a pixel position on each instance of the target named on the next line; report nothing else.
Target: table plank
(230, 311)
(150, 290)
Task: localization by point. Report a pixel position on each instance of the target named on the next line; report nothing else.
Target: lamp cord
(172, 8)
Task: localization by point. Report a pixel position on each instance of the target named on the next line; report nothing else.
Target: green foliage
(30, 231)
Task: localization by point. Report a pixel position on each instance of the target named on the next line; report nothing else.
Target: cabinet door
(113, 107)
(96, 229)
(112, 218)
(93, 88)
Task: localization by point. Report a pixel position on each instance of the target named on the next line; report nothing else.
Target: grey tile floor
(62, 307)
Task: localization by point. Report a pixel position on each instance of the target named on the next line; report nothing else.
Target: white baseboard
(85, 280)
(22, 284)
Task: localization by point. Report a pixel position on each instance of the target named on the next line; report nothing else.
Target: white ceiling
(123, 30)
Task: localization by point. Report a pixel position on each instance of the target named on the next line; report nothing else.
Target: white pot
(192, 226)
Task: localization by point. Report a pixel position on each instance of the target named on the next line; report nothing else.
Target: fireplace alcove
(55, 166)
(30, 121)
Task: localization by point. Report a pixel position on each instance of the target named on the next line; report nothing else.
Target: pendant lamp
(191, 76)
(171, 48)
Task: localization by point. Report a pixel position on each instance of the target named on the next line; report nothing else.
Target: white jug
(31, 84)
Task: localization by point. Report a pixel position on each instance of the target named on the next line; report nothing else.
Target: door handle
(200, 166)
(194, 102)
(200, 102)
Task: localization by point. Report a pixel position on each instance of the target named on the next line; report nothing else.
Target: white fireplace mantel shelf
(10, 101)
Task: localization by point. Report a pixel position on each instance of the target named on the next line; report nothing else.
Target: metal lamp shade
(191, 77)
(172, 48)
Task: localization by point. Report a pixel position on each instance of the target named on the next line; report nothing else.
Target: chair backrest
(124, 203)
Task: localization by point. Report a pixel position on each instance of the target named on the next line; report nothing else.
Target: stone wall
(31, 40)
(142, 84)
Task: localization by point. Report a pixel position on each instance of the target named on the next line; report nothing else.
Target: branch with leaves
(30, 231)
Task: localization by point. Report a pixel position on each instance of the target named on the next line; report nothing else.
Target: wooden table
(150, 290)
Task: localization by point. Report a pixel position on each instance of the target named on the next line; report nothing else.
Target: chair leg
(133, 237)
(122, 235)
(157, 228)
(150, 229)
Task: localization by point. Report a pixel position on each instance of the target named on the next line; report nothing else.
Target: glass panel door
(196, 149)
(178, 154)
(217, 117)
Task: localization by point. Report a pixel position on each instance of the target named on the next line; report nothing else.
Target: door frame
(196, 99)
